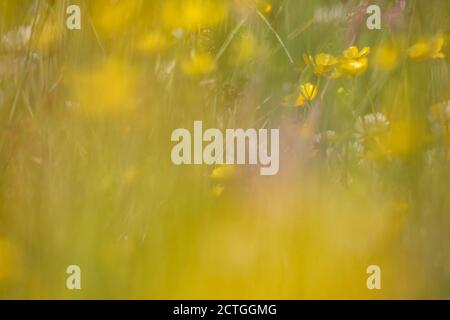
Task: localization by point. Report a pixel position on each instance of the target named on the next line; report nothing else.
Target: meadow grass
(85, 171)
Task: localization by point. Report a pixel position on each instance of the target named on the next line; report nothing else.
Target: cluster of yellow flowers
(352, 62)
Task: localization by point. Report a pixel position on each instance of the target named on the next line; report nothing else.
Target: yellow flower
(107, 90)
(218, 189)
(222, 175)
(386, 57)
(199, 64)
(354, 53)
(130, 175)
(322, 63)
(354, 67)
(428, 48)
(153, 41)
(353, 62)
(308, 92)
(266, 8)
(193, 14)
(223, 172)
(405, 137)
(112, 17)
(243, 50)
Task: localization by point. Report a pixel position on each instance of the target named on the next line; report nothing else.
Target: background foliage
(85, 170)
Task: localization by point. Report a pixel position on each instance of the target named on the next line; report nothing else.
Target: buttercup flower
(308, 92)
(428, 49)
(322, 63)
(266, 8)
(354, 53)
(353, 62)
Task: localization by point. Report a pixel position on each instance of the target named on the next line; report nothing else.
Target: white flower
(325, 136)
(324, 141)
(17, 39)
(371, 124)
(369, 119)
(329, 14)
(447, 110)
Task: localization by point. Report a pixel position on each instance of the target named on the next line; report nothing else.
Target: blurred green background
(86, 176)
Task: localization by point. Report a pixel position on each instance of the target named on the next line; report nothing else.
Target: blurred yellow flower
(428, 48)
(308, 92)
(111, 17)
(266, 8)
(354, 62)
(404, 137)
(199, 64)
(354, 53)
(223, 172)
(153, 41)
(218, 189)
(386, 57)
(221, 175)
(353, 67)
(9, 260)
(193, 14)
(243, 50)
(130, 175)
(322, 63)
(107, 90)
